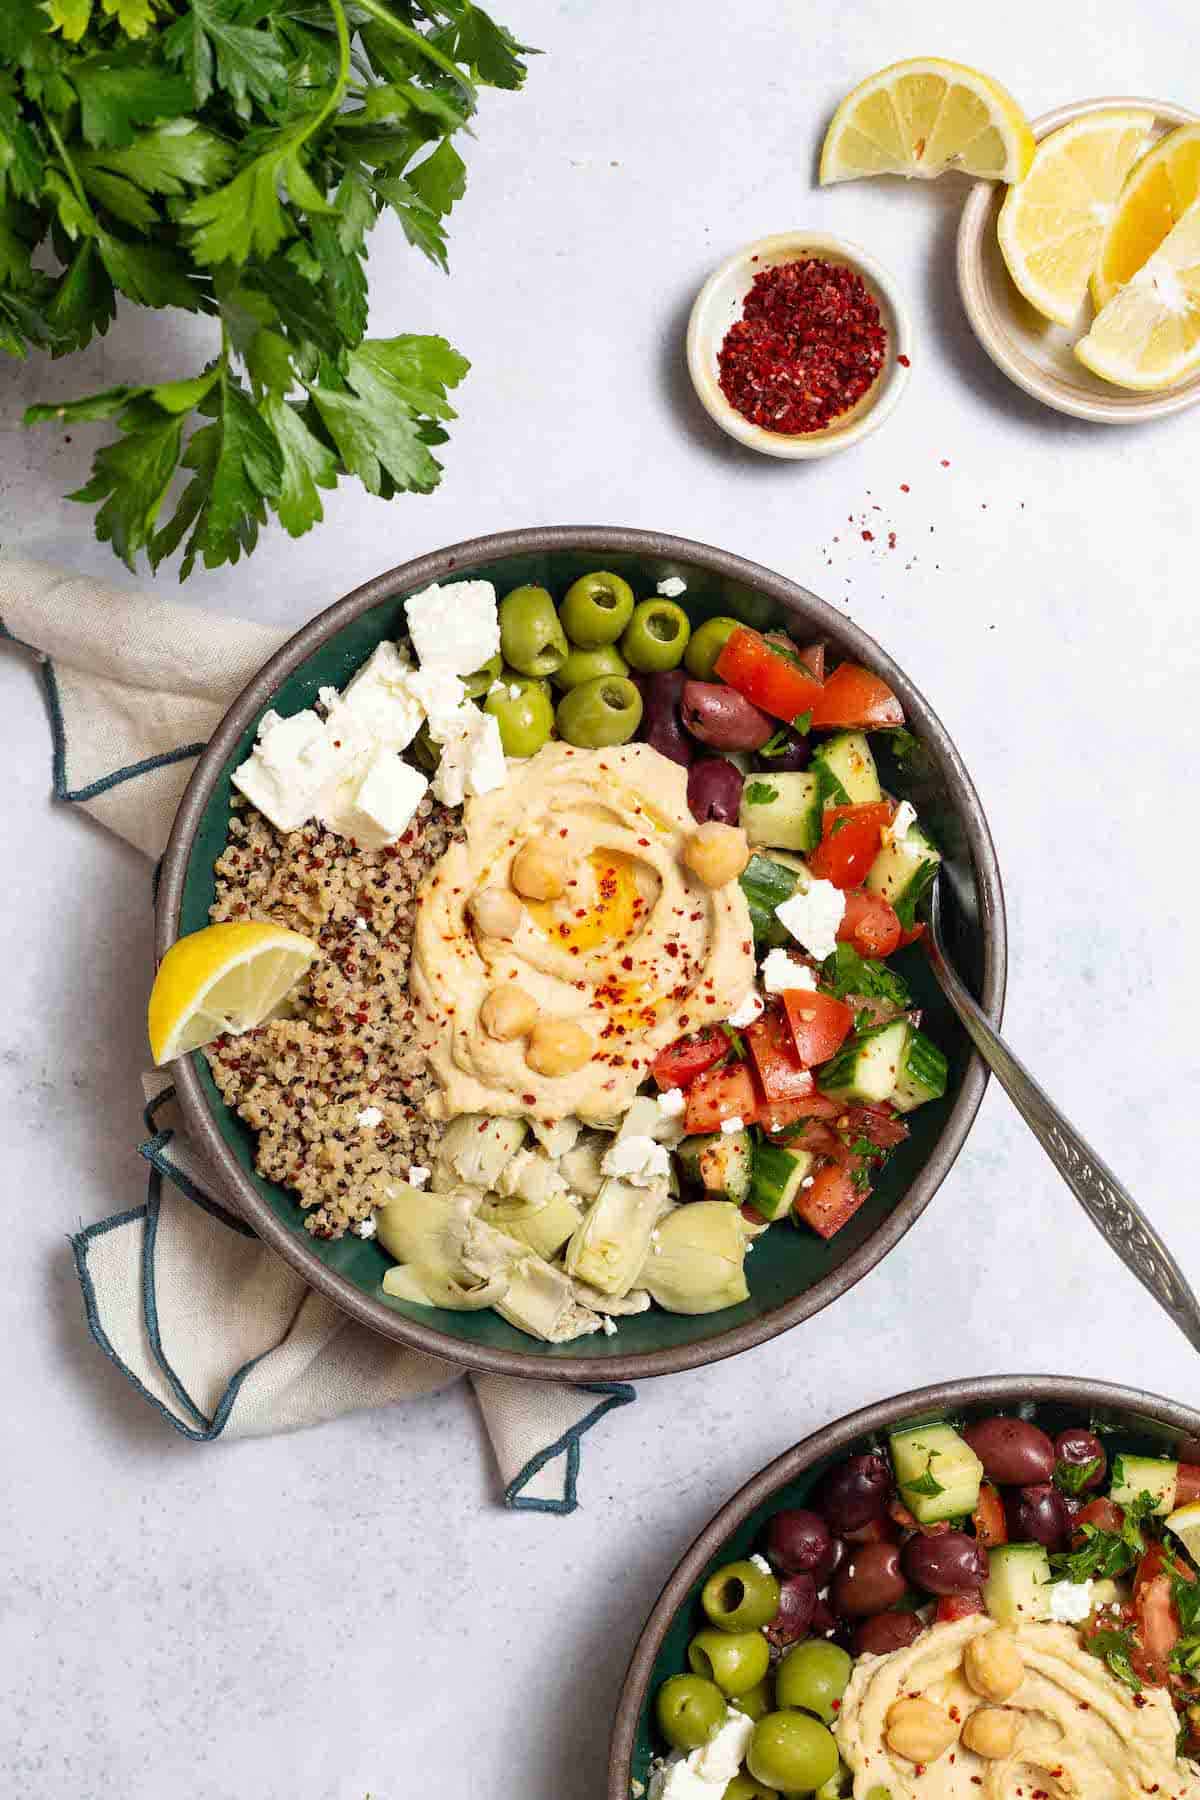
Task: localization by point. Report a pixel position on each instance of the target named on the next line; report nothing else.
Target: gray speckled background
(346, 1612)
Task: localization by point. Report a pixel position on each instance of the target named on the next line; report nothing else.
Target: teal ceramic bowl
(1130, 1420)
(792, 1273)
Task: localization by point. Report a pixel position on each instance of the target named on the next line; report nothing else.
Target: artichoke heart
(556, 1136)
(541, 1300)
(474, 1150)
(416, 1225)
(530, 1175)
(612, 1241)
(637, 1300)
(542, 1226)
(646, 1118)
(425, 1287)
(696, 1261)
(581, 1165)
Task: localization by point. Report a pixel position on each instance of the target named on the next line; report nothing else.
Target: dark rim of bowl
(986, 1390)
(438, 565)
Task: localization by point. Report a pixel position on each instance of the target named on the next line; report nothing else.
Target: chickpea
(496, 912)
(508, 1012)
(716, 853)
(919, 1731)
(557, 1047)
(539, 870)
(991, 1732)
(993, 1665)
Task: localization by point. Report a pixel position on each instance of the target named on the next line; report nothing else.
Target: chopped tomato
(911, 934)
(878, 1124)
(717, 1094)
(1187, 1487)
(1155, 1612)
(831, 1201)
(899, 1512)
(850, 842)
(1104, 1514)
(957, 1606)
(688, 1057)
(774, 679)
(870, 924)
(781, 1073)
(813, 657)
(819, 1024)
(852, 696)
(991, 1526)
(783, 1116)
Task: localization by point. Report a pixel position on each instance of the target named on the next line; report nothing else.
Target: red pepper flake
(526, 1100)
(945, 462)
(904, 362)
(808, 346)
(868, 537)
(904, 488)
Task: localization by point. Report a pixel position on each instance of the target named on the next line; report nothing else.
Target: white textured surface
(346, 1612)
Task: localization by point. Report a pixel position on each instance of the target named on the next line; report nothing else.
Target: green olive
(744, 1787)
(839, 1784)
(688, 1711)
(740, 1597)
(813, 1676)
(736, 1660)
(596, 609)
(656, 636)
(425, 752)
(756, 1700)
(599, 713)
(531, 637)
(478, 684)
(791, 1751)
(706, 644)
(524, 712)
(589, 665)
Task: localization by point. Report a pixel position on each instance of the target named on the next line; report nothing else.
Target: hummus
(637, 951)
(1082, 1734)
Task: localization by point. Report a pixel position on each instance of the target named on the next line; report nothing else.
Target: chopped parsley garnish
(1116, 1649)
(803, 722)
(846, 972)
(736, 1044)
(903, 744)
(1107, 1553)
(926, 1484)
(1073, 1478)
(777, 743)
(761, 793)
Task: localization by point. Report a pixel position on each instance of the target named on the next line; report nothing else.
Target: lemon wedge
(1158, 192)
(1148, 336)
(1185, 1523)
(922, 117)
(224, 978)
(1052, 223)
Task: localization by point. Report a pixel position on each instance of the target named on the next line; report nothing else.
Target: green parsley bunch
(230, 157)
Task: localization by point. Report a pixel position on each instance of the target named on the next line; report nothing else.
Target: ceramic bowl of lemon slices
(1079, 244)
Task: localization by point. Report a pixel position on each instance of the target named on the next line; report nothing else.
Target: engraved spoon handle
(1108, 1204)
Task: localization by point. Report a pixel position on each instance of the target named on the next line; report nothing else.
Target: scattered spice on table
(809, 345)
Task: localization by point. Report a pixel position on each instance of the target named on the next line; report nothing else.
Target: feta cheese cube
(813, 916)
(904, 817)
(671, 586)
(719, 1760)
(673, 1103)
(746, 1010)
(377, 808)
(455, 627)
(781, 973)
(442, 699)
(1071, 1602)
(638, 1160)
(472, 759)
(288, 767)
(377, 702)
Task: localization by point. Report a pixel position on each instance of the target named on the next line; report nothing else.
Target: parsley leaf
(926, 1484)
(308, 464)
(131, 478)
(1116, 1648)
(116, 94)
(213, 49)
(846, 972)
(761, 793)
(168, 159)
(803, 722)
(1072, 1478)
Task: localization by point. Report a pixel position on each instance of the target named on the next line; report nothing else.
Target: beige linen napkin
(211, 1327)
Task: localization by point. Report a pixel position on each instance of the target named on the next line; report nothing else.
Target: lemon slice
(1052, 224)
(224, 978)
(1148, 336)
(1158, 192)
(923, 117)
(1185, 1523)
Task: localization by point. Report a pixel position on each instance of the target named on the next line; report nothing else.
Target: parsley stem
(385, 17)
(338, 91)
(68, 166)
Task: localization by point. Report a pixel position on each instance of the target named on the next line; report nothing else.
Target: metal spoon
(1108, 1204)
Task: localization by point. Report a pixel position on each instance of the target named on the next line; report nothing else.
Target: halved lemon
(1158, 192)
(1185, 1523)
(922, 117)
(1148, 336)
(1052, 223)
(224, 978)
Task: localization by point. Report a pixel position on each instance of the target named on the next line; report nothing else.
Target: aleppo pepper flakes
(808, 346)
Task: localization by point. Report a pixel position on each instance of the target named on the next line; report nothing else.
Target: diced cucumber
(1134, 1475)
(846, 771)
(782, 812)
(923, 1073)
(1018, 1585)
(720, 1162)
(902, 871)
(767, 883)
(894, 1062)
(937, 1472)
(776, 1181)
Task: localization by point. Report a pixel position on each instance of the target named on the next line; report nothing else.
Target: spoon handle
(1109, 1205)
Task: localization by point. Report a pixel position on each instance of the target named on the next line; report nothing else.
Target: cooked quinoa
(349, 1045)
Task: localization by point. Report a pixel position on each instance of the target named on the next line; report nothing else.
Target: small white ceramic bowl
(1034, 352)
(719, 304)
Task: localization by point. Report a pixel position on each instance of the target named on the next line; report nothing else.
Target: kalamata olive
(869, 1581)
(1038, 1515)
(723, 718)
(794, 754)
(797, 1603)
(1012, 1451)
(822, 1623)
(855, 1492)
(714, 790)
(883, 1530)
(886, 1631)
(1077, 1448)
(662, 724)
(799, 1540)
(950, 1564)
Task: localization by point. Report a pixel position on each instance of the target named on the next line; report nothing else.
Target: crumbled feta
(366, 1227)
(418, 1176)
(288, 767)
(442, 699)
(609, 1324)
(377, 807)
(455, 627)
(781, 973)
(904, 816)
(672, 1103)
(720, 1759)
(808, 1181)
(638, 1160)
(369, 1118)
(732, 1124)
(813, 916)
(760, 1562)
(360, 924)
(378, 701)
(1071, 1602)
(472, 760)
(746, 1010)
(671, 586)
